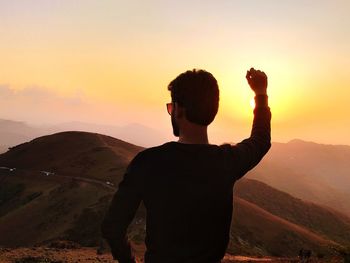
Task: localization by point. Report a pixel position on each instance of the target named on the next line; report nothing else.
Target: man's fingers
(250, 72)
(254, 75)
(262, 74)
(247, 75)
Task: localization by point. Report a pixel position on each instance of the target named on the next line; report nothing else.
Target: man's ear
(180, 111)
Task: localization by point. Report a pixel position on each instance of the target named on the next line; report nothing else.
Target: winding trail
(78, 178)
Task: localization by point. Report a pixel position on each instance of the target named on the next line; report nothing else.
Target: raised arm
(249, 152)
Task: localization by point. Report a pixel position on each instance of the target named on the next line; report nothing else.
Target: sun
(252, 103)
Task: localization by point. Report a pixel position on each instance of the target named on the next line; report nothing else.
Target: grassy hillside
(82, 154)
(310, 171)
(57, 206)
(325, 222)
(255, 229)
(38, 209)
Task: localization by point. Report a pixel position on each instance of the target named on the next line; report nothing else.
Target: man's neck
(194, 138)
(193, 142)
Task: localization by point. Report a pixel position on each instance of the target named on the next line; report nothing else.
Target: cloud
(37, 94)
(40, 104)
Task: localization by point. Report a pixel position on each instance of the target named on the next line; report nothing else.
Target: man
(187, 185)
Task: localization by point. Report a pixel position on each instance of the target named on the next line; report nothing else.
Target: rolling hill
(73, 153)
(69, 202)
(134, 132)
(259, 232)
(314, 172)
(322, 221)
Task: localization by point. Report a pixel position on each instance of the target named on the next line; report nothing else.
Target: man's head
(195, 98)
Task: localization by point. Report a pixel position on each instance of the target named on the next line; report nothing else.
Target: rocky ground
(64, 255)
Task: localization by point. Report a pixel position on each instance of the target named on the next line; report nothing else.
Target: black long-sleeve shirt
(187, 190)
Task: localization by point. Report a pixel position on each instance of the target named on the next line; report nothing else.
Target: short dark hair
(198, 92)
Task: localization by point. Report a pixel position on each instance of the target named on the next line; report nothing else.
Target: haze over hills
(88, 166)
(16, 132)
(3, 148)
(134, 132)
(310, 171)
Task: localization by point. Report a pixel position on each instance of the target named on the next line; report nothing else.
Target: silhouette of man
(187, 185)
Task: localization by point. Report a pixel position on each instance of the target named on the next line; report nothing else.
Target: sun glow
(252, 103)
(116, 66)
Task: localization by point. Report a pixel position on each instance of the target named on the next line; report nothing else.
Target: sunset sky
(109, 62)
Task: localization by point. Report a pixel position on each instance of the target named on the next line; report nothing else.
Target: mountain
(322, 221)
(15, 132)
(63, 183)
(134, 132)
(315, 172)
(255, 231)
(73, 153)
(60, 187)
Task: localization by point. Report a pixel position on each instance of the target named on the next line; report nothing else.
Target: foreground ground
(56, 255)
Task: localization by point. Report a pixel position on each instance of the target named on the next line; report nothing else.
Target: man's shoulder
(228, 150)
(159, 151)
(171, 145)
(157, 148)
(151, 152)
(227, 146)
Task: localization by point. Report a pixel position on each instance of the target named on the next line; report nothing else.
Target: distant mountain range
(63, 183)
(16, 132)
(3, 148)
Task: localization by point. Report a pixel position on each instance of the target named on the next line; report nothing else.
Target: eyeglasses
(169, 107)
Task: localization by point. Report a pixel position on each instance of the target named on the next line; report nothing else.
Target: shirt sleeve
(122, 210)
(245, 155)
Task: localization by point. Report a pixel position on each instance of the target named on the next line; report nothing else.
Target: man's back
(187, 190)
(188, 197)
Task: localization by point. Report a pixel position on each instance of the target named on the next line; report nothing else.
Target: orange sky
(109, 62)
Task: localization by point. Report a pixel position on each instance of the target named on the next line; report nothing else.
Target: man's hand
(257, 80)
